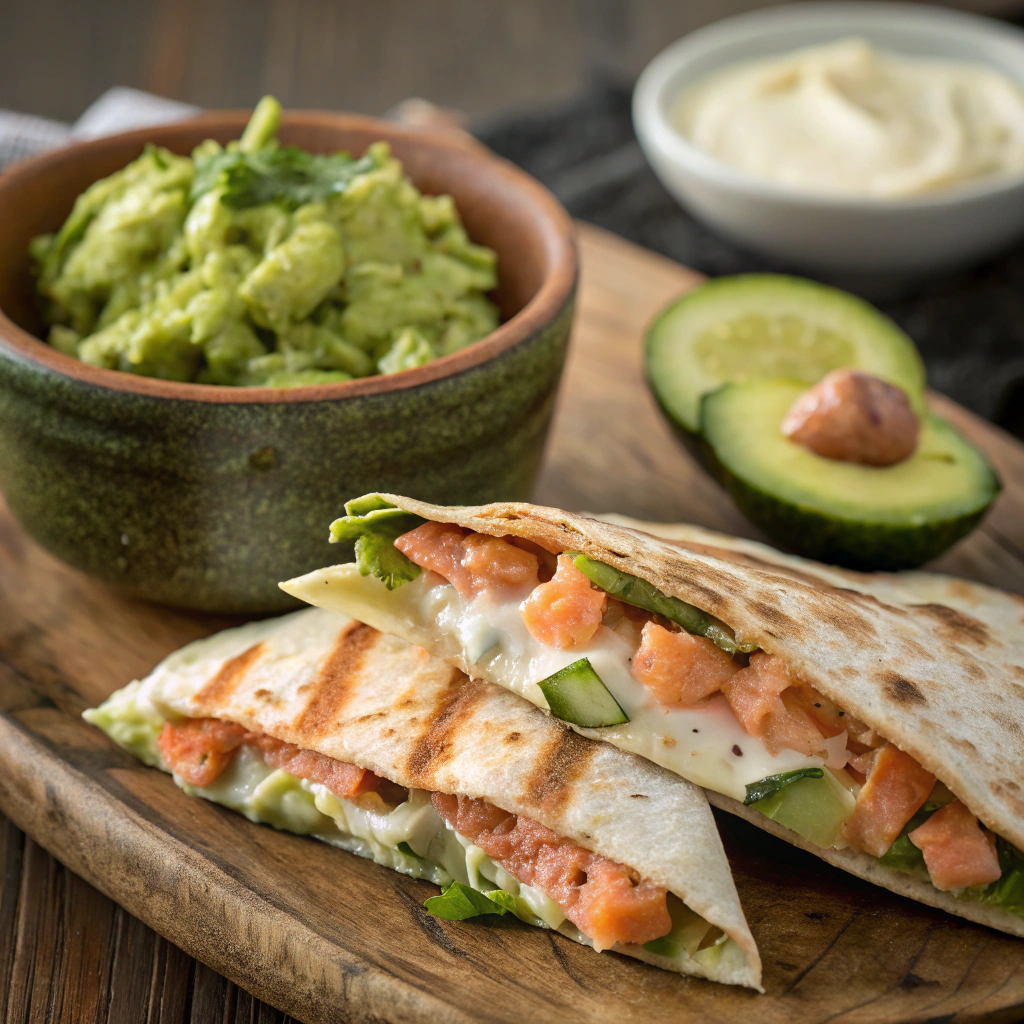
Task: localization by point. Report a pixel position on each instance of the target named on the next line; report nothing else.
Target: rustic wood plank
(326, 936)
(12, 853)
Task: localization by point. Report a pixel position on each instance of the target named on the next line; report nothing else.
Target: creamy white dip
(847, 118)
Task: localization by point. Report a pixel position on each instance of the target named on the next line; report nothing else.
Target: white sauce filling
(488, 636)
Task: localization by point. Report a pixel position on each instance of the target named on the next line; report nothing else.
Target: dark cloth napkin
(969, 326)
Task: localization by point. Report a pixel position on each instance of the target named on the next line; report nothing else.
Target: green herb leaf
(766, 787)
(503, 899)
(374, 525)
(404, 847)
(285, 175)
(641, 594)
(209, 170)
(458, 902)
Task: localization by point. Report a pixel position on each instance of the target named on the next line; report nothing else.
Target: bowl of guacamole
(258, 264)
(213, 334)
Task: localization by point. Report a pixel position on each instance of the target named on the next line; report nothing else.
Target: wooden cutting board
(327, 936)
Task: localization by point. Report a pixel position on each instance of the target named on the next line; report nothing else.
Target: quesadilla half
(873, 720)
(323, 726)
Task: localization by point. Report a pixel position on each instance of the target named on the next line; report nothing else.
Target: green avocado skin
(855, 545)
(208, 505)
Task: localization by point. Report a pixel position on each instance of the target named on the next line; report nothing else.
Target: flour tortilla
(337, 686)
(932, 663)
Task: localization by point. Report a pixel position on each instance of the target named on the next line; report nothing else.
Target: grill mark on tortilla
(332, 688)
(859, 597)
(1009, 723)
(229, 675)
(433, 747)
(955, 625)
(973, 670)
(707, 595)
(753, 561)
(775, 617)
(901, 691)
(551, 782)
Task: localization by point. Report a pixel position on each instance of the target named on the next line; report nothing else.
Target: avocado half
(769, 327)
(863, 517)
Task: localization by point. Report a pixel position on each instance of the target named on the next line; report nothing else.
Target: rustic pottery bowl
(204, 496)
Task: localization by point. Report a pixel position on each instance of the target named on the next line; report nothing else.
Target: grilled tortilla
(418, 726)
(930, 665)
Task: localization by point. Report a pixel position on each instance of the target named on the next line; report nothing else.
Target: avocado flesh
(864, 517)
(765, 327)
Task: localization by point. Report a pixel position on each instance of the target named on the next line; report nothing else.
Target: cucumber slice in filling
(812, 807)
(764, 326)
(577, 695)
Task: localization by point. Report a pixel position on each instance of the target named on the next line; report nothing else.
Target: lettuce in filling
(1007, 892)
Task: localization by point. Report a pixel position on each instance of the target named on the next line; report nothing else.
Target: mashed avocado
(261, 264)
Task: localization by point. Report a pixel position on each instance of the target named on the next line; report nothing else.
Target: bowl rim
(653, 127)
(555, 291)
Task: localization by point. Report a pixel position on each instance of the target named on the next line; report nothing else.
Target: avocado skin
(869, 547)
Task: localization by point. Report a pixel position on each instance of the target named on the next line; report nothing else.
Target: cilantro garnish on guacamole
(262, 264)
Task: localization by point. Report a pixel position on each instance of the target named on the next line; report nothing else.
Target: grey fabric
(117, 110)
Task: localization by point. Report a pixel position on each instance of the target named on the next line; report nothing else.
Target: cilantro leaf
(773, 783)
(209, 170)
(458, 902)
(285, 175)
(374, 525)
(503, 899)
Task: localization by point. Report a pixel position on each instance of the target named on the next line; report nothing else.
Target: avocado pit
(852, 416)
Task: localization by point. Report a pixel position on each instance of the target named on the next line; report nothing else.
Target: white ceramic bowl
(878, 243)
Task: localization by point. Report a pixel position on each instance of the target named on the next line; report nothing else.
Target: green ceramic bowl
(205, 497)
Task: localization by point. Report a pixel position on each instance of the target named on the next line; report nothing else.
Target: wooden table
(69, 954)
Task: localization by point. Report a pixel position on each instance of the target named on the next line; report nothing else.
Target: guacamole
(258, 264)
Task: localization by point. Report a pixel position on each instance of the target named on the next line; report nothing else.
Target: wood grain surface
(325, 936)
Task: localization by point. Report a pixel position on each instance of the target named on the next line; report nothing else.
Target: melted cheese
(488, 639)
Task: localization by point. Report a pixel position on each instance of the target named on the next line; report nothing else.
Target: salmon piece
(854, 417)
(859, 765)
(679, 669)
(348, 781)
(566, 610)
(760, 699)
(861, 738)
(607, 901)
(470, 562)
(957, 851)
(827, 718)
(896, 788)
(200, 749)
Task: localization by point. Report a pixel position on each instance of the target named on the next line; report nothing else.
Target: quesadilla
(873, 720)
(320, 725)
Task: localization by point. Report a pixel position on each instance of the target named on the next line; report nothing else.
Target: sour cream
(845, 118)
